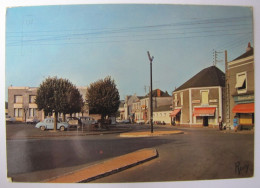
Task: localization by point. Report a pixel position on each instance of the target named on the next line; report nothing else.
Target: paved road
(201, 153)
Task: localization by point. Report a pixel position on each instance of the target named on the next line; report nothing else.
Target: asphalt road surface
(200, 153)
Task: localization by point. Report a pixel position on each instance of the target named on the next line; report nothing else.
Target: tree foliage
(58, 96)
(103, 97)
(75, 101)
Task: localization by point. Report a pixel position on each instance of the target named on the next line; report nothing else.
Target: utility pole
(215, 56)
(227, 106)
(151, 91)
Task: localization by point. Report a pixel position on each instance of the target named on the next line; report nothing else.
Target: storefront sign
(244, 98)
(213, 100)
(195, 101)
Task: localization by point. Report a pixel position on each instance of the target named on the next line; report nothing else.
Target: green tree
(54, 96)
(103, 97)
(75, 101)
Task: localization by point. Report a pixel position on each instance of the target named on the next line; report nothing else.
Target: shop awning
(175, 112)
(244, 108)
(207, 111)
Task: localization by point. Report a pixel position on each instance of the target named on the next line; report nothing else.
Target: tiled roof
(163, 108)
(155, 93)
(211, 76)
(247, 54)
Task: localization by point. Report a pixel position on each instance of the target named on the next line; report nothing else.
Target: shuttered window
(204, 97)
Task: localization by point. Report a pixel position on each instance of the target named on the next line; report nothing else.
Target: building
(160, 98)
(22, 106)
(128, 107)
(199, 101)
(121, 110)
(240, 72)
(21, 103)
(161, 114)
(6, 108)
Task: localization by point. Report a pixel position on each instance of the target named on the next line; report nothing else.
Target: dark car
(73, 121)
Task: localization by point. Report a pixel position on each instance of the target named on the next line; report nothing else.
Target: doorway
(205, 121)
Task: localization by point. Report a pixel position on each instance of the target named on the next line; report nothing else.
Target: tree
(103, 97)
(55, 96)
(75, 102)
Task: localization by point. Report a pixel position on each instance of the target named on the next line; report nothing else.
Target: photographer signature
(239, 167)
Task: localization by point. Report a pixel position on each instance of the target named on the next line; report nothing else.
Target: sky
(85, 43)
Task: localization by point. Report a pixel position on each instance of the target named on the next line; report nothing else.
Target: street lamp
(151, 91)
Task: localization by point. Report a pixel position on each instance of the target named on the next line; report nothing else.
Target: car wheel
(42, 128)
(62, 128)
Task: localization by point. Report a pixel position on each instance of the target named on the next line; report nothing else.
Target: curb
(107, 167)
(67, 134)
(149, 134)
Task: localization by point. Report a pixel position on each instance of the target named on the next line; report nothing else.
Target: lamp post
(151, 90)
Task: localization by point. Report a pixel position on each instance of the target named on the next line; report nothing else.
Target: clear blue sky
(84, 43)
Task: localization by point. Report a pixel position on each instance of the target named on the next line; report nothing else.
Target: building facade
(161, 115)
(199, 101)
(141, 106)
(22, 106)
(241, 83)
(21, 103)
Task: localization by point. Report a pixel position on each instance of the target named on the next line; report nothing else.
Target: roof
(163, 108)
(248, 53)
(160, 92)
(208, 77)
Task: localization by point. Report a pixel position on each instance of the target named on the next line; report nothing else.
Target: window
(204, 97)
(181, 98)
(175, 99)
(32, 98)
(18, 99)
(32, 112)
(18, 112)
(241, 82)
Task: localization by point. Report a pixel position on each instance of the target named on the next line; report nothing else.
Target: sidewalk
(107, 167)
(30, 132)
(149, 134)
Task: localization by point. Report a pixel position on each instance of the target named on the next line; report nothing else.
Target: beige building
(141, 106)
(199, 101)
(22, 106)
(161, 115)
(241, 86)
(21, 103)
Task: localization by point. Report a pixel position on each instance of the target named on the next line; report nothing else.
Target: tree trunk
(63, 117)
(55, 121)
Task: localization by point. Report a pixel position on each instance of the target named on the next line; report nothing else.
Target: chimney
(248, 47)
(158, 92)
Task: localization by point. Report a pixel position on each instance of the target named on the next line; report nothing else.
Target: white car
(48, 123)
(88, 120)
(9, 118)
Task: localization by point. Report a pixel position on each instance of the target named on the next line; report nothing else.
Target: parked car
(140, 121)
(86, 120)
(126, 121)
(73, 121)
(9, 118)
(48, 123)
(32, 120)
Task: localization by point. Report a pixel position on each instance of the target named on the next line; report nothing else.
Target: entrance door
(205, 121)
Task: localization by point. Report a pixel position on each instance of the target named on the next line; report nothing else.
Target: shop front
(176, 116)
(204, 115)
(245, 114)
(244, 110)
